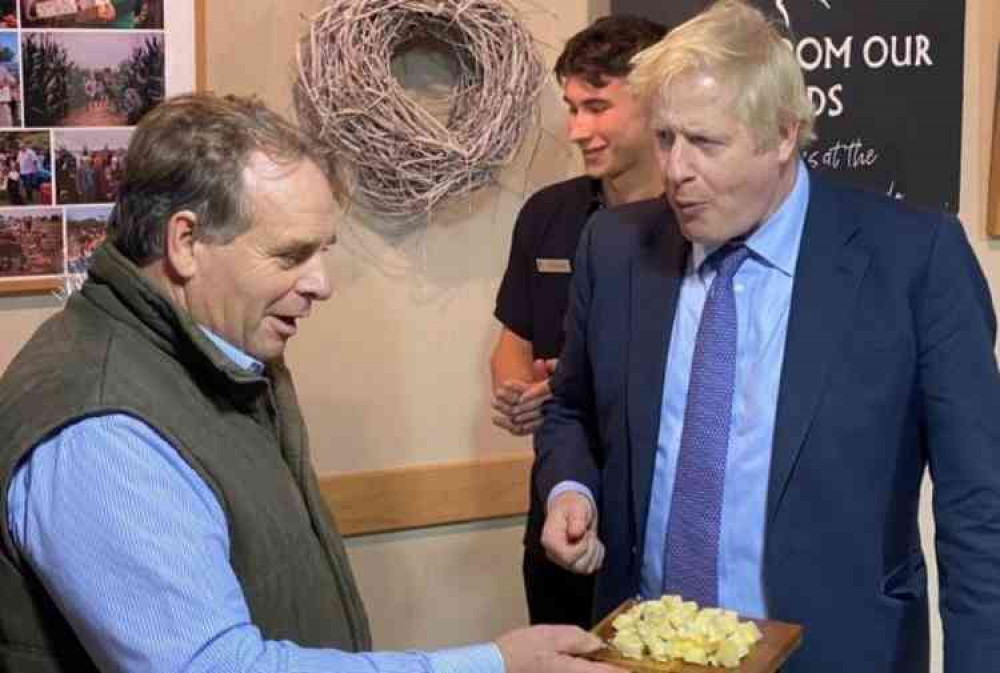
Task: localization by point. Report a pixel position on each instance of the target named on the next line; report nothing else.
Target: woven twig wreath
(403, 161)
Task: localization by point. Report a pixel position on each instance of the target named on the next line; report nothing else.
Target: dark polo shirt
(535, 288)
(531, 303)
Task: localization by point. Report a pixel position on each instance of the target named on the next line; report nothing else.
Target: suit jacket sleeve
(960, 389)
(563, 443)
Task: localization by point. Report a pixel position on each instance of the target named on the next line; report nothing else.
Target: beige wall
(392, 370)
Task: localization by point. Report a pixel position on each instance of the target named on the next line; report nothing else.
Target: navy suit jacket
(888, 368)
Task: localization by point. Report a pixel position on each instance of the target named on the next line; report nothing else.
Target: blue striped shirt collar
(235, 355)
(776, 242)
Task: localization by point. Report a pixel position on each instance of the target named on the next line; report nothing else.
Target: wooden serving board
(779, 640)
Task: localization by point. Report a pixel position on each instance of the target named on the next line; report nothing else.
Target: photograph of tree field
(91, 79)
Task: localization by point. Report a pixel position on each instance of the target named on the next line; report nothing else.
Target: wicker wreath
(401, 160)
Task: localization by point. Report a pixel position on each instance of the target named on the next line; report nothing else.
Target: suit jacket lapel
(656, 276)
(828, 274)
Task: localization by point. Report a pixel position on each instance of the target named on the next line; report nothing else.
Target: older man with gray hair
(159, 510)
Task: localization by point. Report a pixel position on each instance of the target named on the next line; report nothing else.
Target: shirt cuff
(574, 486)
(484, 658)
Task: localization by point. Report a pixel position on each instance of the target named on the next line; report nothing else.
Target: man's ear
(179, 245)
(788, 140)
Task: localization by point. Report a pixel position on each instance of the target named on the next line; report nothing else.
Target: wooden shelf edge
(421, 496)
(30, 285)
(993, 196)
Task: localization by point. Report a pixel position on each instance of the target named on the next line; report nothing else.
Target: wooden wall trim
(200, 50)
(993, 196)
(31, 285)
(418, 496)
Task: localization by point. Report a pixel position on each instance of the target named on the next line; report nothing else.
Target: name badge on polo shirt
(553, 265)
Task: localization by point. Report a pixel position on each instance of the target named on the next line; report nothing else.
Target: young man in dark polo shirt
(608, 125)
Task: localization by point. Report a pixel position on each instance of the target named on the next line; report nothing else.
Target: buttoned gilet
(120, 347)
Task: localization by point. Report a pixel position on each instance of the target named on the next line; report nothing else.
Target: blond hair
(742, 50)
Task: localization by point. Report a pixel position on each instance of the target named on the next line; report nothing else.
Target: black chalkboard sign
(886, 81)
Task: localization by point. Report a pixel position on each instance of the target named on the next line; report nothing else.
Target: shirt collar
(776, 241)
(596, 197)
(235, 355)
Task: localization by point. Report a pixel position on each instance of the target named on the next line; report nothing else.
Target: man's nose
(315, 280)
(581, 127)
(675, 162)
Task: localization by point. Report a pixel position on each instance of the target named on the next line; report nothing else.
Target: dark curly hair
(605, 48)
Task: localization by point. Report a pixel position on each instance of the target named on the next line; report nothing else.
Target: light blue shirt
(763, 290)
(133, 546)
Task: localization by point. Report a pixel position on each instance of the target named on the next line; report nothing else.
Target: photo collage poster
(75, 78)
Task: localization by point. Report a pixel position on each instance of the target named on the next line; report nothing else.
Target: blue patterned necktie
(691, 557)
